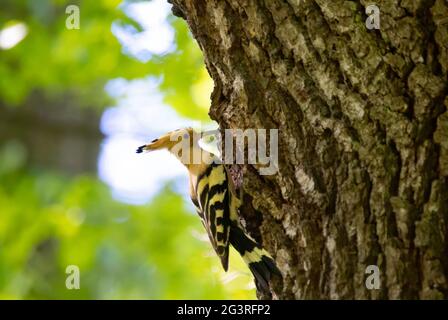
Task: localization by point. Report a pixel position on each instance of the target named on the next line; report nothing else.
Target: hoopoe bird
(217, 204)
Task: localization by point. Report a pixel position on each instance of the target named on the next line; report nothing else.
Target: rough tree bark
(363, 139)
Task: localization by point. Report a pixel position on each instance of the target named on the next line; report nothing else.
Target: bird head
(182, 143)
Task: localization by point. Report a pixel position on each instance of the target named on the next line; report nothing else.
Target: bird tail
(257, 259)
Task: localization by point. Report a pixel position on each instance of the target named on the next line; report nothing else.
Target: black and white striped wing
(212, 202)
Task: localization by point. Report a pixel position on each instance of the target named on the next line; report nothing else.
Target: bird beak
(156, 144)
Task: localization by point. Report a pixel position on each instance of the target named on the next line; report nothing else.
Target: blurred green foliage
(53, 58)
(49, 220)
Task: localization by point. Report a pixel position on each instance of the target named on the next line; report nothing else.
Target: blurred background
(75, 103)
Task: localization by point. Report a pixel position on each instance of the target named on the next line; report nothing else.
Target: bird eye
(185, 135)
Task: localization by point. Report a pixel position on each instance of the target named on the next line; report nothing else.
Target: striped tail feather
(257, 259)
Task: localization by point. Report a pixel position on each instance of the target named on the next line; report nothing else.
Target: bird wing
(211, 198)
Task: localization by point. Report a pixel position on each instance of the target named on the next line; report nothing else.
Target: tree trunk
(363, 137)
